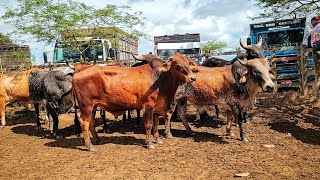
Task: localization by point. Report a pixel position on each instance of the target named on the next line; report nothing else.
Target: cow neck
(252, 88)
(168, 85)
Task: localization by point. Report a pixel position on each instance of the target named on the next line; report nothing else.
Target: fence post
(1, 66)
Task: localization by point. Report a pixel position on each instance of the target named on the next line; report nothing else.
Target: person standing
(315, 33)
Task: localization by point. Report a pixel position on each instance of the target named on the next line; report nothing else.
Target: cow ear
(272, 74)
(165, 67)
(243, 77)
(193, 66)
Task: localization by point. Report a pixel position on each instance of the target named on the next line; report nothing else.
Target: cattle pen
(285, 144)
(284, 132)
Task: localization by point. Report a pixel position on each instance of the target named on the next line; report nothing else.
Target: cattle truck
(282, 42)
(188, 44)
(101, 44)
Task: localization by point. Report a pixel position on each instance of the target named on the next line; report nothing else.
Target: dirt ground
(289, 124)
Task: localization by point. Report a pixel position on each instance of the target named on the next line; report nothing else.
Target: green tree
(4, 39)
(277, 9)
(50, 21)
(213, 46)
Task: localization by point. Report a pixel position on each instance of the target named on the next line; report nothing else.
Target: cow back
(36, 84)
(14, 87)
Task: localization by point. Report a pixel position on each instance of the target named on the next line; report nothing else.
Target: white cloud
(215, 20)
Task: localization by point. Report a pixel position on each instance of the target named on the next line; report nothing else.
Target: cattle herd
(152, 85)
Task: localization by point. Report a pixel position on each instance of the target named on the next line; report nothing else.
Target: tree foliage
(4, 39)
(278, 9)
(48, 20)
(213, 46)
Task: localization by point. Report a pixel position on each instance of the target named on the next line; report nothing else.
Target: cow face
(259, 71)
(180, 67)
(57, 89)
(254, 50)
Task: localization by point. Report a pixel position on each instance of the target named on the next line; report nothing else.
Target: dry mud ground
(290, 123)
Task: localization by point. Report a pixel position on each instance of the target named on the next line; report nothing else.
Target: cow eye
(255, 72)
(179, 68)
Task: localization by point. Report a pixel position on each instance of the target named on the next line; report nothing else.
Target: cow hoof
(92, 149)
(78, 135)
(151, 146)
(168, 135)
(38, 128)
(1, 128)
(231, 134)
(158, 141)
(246, 139)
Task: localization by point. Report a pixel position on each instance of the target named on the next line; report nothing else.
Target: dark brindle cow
(54, 87)
(232, 87)
(118, 89)
(252, 51)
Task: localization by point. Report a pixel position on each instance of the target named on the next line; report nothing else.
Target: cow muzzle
(269, 88)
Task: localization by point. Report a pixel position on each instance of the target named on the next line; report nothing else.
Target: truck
(101, 44)
(188, 44)
(282, 44)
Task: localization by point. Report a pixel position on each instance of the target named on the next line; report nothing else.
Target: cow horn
(242, 45)
(260, 41)
(70, 65)
(243, 62)
(140, 58)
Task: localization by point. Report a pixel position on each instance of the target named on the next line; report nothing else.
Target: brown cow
(118, 89)
(13, 88)
(232, 87)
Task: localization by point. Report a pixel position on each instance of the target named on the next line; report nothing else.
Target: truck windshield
(282, 38)
(170, 52)
(64, 53)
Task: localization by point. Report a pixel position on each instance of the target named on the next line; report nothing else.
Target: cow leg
(85, 123)
(103, 116)
(138, 118)
(174, 116)
(3, 114)
(168, 118)
(155, 128)
(129, 115)
(50, 122)
(217, 110)
(93, 131)
(246, 118)
(124, 117)
(37, 109)
(182, 107)
(56, 125)
(243, 134)
(229, 123)
(148, 115)
(76, 122)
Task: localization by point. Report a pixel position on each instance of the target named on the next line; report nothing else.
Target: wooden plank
(296, 84)
(285, 59)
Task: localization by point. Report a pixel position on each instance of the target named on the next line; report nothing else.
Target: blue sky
(225, 20)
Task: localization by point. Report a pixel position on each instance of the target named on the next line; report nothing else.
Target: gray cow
(54, 88)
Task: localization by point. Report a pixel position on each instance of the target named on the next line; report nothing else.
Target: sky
(217, 20)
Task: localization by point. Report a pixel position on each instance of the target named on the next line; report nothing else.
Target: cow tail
(76, 118)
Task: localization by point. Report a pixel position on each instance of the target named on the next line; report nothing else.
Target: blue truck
(282, 42)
